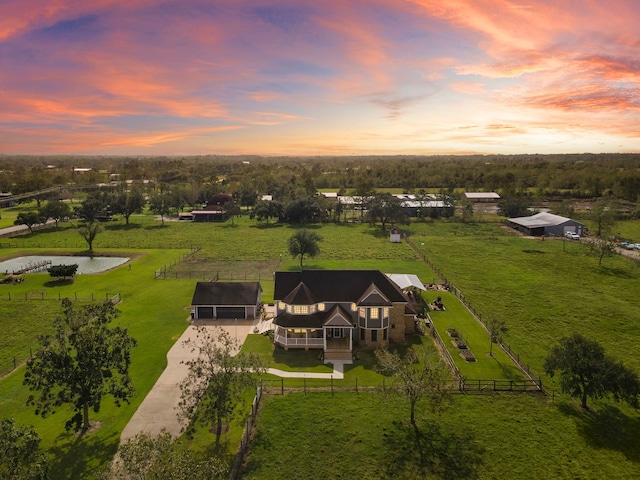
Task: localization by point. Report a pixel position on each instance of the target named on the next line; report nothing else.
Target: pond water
(85, 264)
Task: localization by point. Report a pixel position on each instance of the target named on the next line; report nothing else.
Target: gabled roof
(337, 285)
(372, 297)
(338, 317)
(541, 219)
(226, 293)
(300, 295)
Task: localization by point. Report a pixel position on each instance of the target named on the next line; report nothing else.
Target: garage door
(205, 312)
(230, 312)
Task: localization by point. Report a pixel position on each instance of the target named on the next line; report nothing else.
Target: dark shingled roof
(226, 293)
(337, 285)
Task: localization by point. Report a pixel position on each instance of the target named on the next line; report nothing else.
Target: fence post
(281, 385)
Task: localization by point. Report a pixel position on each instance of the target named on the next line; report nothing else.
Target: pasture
(543, 290)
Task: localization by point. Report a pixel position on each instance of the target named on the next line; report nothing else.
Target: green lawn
(542, 289)
(476, 337)
(367, 435)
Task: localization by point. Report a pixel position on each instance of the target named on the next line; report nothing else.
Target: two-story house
(337, 310)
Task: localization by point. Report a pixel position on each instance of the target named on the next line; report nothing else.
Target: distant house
(337, 310)
(546, 224)
(226, 300)
(214, 211)
(482, 197)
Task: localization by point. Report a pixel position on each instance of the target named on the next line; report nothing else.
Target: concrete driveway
(159, 408)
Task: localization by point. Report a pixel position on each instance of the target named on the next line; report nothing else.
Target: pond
(85, 264)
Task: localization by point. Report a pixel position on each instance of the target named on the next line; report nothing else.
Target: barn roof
(541, 219)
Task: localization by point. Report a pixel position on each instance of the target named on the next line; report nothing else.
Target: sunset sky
(330, 77)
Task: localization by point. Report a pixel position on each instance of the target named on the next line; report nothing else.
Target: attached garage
(226, 300)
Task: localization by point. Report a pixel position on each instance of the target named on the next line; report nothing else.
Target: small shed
(546, 224)
(394, 235)
(226, 300)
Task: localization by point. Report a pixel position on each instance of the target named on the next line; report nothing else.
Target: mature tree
(29, 219)
(231, 210)
(602, 247)
(496, 327)
(217, 380)
(603, 215)
(302, 210)
(586, 371)
(304, 242)
(416, 376)
(79, 364)
(466, 210)
(94, 207)
(64, 271)
(264, 210)
(89, 232)
(146, 457)
(385, 208)
(21, 457)
(246, 195)
(512, 205)
(128, 203)
(55, 210)
(160, 204)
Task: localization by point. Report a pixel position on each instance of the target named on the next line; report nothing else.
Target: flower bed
(468, 355)
(461, 344)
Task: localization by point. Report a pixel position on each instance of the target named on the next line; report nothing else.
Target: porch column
(306, 339)
(324, 338)
(351, 339)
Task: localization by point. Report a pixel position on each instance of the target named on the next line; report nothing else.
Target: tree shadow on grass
(426, 451)
(122, 226)
(616, 272)
(609, 428)
(265, 226)
(156, 227)
(77, 455)
(59, 283)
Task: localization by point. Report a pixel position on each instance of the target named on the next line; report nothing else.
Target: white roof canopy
(405, 280)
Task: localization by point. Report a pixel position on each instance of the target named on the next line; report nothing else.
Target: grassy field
(367, 435)
(542, 289)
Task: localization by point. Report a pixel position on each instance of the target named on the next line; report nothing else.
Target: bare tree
(418, 375)
(217, 380)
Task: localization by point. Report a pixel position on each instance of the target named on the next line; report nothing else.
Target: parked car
(572, 236)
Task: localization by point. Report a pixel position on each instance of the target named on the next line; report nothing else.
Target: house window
(301, 309)
(386, 312)
(289, 309)
(374, 335)
(393, 325)
(321, 307)
(373, 313)
(353, 307)
(362, 312)
(362, 334)
(312, 309)
(384, 334)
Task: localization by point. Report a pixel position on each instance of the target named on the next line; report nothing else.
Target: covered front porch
(328, 338)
